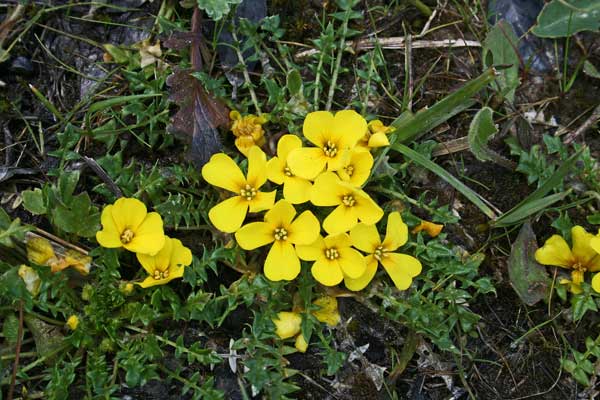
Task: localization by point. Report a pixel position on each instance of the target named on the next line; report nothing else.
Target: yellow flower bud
(126, 288)
(287, 324)
(73, 322)
(432, 229)
(301, 344)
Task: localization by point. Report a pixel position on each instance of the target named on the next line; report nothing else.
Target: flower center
(332, 254)
(158, 275)
(348, 200)
(577, 274)
(280, 234)
(379, 253)
(330, 149)
(349, 169)
(287, 171)
(248, 192)
(127, 236)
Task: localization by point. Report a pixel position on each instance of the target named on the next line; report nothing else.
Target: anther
(287, 171)
(379, 253)
(280, 234)
(127, 236)
(348, 200)
(332, 254)
(248, 192)
(330, 149)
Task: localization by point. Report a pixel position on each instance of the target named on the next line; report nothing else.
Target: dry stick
(112, 186)
(588, 123)
(409, 71)
(398, 43)
(48, 235)
(13, 379)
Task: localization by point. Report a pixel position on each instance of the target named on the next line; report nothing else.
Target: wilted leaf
(47, 337)
(500, 48)
(528, 278)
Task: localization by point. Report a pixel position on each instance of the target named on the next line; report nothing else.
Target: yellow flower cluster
(329, 174)
(248, 131)
(127, 223)
(583, 257)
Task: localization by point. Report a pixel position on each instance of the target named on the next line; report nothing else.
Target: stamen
(127, 236)
(349, 169)
(330, 149)
(348, 200)
(379, 253)
(332, 254)
(280, 234)
(287, 171)
(158, 275)
(248, 193)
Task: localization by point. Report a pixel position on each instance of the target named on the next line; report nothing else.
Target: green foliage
(10, 230)
(581, 365)
(500, 48)
(481, 130)
(561, 18)
(217, 9)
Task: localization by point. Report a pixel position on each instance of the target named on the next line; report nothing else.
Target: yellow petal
(596, 282)
(109, 236)
(352, 262)
(326, 190)
(296, 190)
(358, 169)
(254, 235)
(362, 281)
(432, 229)
(286, 144)
(180, 255)
(337, 241)
(301, 344)
(396, 233)
(275, 169)
(307, 162)
(287, 324)
(262, 201)
(150, 281)
(305, 229)
(378, 139)
(348, 127)
(328, 311)
(160, 261)
(149, 237)
(326, 272)
(244, 144)
(40, 250)
(337, 162)
(223, 172)
(128, 213)
(595, 243)
(401, 268)
(257, 167)
(229, 215)
(282, 263)
(317, 127)
(366, 209)
(582, 250)
(555, 252)
(365, 237)
(281, 215)
(340, 220)
(312, 251)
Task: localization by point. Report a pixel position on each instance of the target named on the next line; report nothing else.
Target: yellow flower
(296, 190)
(41, 252)
(402, 268)
(432, 229)
(333, 259)
(247, 130)
(375, 135)
(328, 311)
(334, 136)
(223, 172)
(282, 262)
(580, 259)
(353, 204)
(31, 279)
(167, 264)
(128, 224)
(73, 322)
(357, 169)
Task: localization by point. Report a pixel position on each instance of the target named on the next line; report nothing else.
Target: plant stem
(338, 61)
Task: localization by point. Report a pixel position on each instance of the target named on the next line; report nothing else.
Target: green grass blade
(445, 175)
(425, 120)
(532, 203)
(108, 103)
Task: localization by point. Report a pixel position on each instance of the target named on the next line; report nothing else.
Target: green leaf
(10, 229)
(410, 129)
(33, 201)
(536, 201)
(216, 9)
(119, 55)
(501, 43)
(10, 328)
(80, 217)
(561, 18)
(528, 278)
(481, 130)
(590, 69)
(66, 184)
(582, 303)
(294, 82)
(445, 175)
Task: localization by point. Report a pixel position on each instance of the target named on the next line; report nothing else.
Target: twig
(588, 123)
(10, 21)
(408, 69)
(47, 235)
(397, 43)
(112, 186)
(8, 144)
(13, 379)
